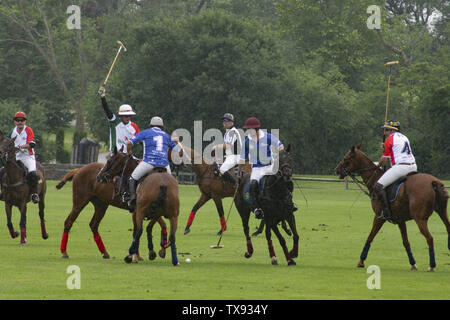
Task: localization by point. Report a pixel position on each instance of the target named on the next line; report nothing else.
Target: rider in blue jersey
(156, 149)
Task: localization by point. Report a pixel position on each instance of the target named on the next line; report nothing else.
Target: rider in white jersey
(398, 149)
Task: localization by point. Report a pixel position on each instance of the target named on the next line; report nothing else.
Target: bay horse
(156, 196)
(417, 198)
(88, 187)
(276, 202)
(211, 187)
(16, 191)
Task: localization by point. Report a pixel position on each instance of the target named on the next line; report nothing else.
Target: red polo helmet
(20, 114)
(252, 123)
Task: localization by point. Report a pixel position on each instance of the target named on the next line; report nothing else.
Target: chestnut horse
(417, 198)
(87, 188)
(157, 196)
(16, 191)
(211, 187)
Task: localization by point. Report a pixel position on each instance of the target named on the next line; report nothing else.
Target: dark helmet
(252, 123)
(391, 125)
(228, 116)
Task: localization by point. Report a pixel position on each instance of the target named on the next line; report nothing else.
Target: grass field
(333, 229)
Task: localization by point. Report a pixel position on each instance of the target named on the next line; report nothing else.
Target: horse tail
(440, 198)
(161, 201)
(67, 177)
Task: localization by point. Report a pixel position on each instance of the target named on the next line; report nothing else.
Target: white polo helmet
(126, 110)
(157, 121)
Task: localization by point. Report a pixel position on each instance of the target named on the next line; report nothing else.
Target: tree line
(312, 69)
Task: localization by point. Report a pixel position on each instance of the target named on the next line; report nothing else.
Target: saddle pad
(246, 192)
(392, 190)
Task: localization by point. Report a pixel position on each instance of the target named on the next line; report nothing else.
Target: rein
(361, 183)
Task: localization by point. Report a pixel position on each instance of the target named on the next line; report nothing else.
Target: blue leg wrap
(365, 251)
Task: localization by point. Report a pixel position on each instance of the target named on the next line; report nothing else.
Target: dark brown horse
(276, 202)
(417, 198)
(86, 188)
(211, 187)
(157, 196)
(16, 191)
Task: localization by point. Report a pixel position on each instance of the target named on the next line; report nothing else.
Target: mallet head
(121, 45)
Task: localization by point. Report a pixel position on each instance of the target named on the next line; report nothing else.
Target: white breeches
(259, 172)
(396, 172)
(143, 168)
(230, 162)
(28, 160)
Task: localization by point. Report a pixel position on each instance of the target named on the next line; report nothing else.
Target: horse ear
(121, 149)
(115, 150)
(352, 150)
(359, 145)
(288, 149)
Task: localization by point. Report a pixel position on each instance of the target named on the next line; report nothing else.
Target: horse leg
(151, 252)
(23, 224)
(173, 248)
(133, 218)
(8, 209)
(245, 216)
(99, 213)
(377, 224)
(223, 223)
(412, 261)
(134, 248)
(41, 216)
(260, 229)
(76, 209)
(444, 217)
(293, 226)
(285, 228)
(287, 254)
(426, 233)
(163, 243)
(203, 199)
(273, 258)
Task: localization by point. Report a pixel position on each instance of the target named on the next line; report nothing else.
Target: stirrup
(35, 198)
(259, 213)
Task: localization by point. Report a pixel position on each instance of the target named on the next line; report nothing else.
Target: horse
(276, 202)
(417, 198)
(87, 186)
(157, 196)
(211, 187)
(16, 191)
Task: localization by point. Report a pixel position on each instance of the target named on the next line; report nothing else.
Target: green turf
(332, 231)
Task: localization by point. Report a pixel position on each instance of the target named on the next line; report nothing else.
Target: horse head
(285, 163)
(7, 148)
(113, 166)
(350, 164)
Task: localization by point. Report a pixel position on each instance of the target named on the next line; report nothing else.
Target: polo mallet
(218, 245)
(115, 59)
(390, 64)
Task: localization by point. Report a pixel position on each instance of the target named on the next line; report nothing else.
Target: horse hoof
(247, 255)
(15, 235)
(254, 234)
(291, 263)
(45, 236)
(219, 233)
(128, 259)
(162, 253)
(152, 255)
(65, 256)
(274, 261)
(360, 264)
(293, 254)
(414, 267)
(187, 230)
(106, 255)
(430, 269)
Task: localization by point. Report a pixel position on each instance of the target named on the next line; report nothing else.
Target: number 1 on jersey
(159, 143)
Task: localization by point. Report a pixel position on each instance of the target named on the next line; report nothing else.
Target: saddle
(392, 189)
